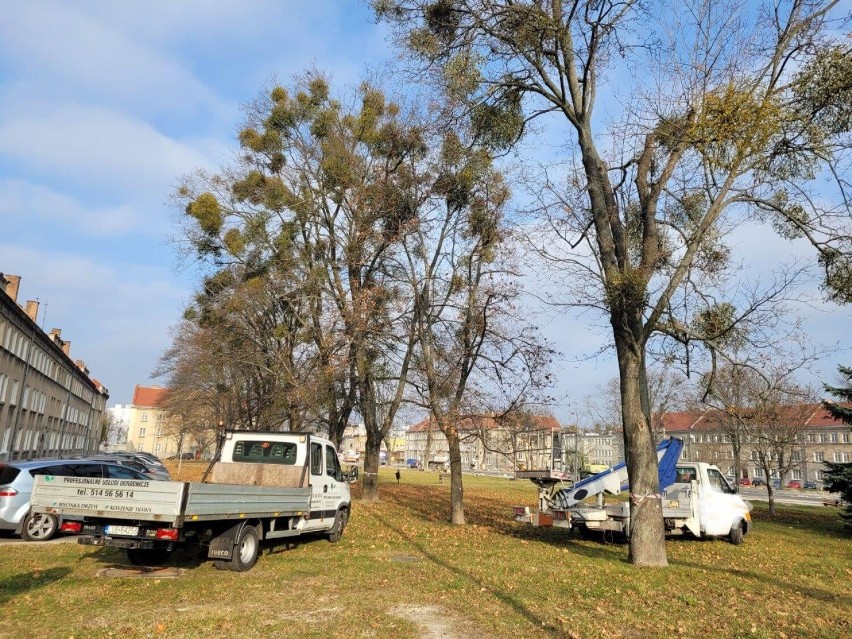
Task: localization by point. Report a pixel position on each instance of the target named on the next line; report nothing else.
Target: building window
(144, 417)
(796, 474)
(796, 456)
(142, 432)
(818, 475)
(841, 457)
(819, 456)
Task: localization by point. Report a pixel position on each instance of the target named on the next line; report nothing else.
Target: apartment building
(488, 444)
(49, 404)
(147, 429)
(809, 437)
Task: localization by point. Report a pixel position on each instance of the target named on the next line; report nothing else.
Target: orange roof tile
(148, 396)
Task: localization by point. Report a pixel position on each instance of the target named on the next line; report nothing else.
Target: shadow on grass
(184, 557)
(502, 596)
(432, 505)
(19, 584)
(819, 594)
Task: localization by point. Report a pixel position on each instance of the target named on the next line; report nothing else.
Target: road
(801, 497)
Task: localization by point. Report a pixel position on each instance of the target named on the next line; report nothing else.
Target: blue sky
(104, 105)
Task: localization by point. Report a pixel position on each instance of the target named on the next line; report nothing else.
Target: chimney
(82, 366)
(12, 284)
(66, 348)
(31, 309)
(55, 333)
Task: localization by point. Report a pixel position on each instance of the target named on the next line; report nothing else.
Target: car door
(718, 499)
(334, 479)
(319, 489)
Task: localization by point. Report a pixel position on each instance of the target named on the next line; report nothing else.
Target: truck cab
(715, 508)
(313, 464)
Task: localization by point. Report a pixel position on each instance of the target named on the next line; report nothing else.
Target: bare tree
(731, 110)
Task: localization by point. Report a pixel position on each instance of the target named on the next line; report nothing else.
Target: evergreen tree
(839, 475)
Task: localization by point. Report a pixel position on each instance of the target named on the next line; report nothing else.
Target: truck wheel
(222, 565)
(737, 534)
(147, 556)
(39, 527)
(246, 551)
(336, 531)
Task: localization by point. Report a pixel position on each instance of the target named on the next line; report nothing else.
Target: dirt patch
(435, 622)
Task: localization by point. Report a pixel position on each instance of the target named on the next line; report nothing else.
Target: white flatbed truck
(696, 499)
(261, 485)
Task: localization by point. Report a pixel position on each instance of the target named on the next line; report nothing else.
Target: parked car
(795, 484)
(16, 484)
(147, 459)
(758, 481)
(183, 456)
(776, 483)
(811, 485)
(149, 470)
(745, 481)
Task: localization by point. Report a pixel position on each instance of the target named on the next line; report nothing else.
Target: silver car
(16, 485)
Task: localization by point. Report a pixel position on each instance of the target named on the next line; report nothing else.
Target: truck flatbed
(162, 500)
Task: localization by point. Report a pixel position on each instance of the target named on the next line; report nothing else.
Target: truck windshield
(265, 452)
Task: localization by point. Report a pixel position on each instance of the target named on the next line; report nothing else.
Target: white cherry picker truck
(697, 499)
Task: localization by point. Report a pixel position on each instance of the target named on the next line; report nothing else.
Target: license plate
(128, 531)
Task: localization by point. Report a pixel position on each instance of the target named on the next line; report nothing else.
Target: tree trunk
(647, 534)
(374, 439)
(456, 487)
(370, 484)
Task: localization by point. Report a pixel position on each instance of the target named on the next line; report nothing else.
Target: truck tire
(147, 556)
(336, 531)
(737, 534)
(246, 550)
(39, 527)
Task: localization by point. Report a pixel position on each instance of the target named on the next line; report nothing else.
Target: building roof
(148, 396)
(810, 415)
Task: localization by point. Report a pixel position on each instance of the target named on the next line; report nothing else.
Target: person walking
(397, 475)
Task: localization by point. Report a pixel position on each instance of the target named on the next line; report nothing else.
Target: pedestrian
(397, 475)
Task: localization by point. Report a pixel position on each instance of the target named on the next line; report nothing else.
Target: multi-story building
(487, 444)
(592, 451)
(146, 423)
(49, 405)
(807, 436)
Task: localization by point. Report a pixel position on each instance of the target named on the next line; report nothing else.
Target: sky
(105, 105)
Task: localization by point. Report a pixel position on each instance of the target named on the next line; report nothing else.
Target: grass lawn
(402, 572)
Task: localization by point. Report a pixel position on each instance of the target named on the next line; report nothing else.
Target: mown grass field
(402, 572)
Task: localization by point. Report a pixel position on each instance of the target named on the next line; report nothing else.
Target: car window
(55, 469)
(265, 452)
(89, 469)
(122, 472)
(8, 474)
(717, 482)
(332, 466)
(316, 459)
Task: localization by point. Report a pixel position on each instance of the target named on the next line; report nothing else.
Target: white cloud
(99, 147)
(37, 204)
(61, 52)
